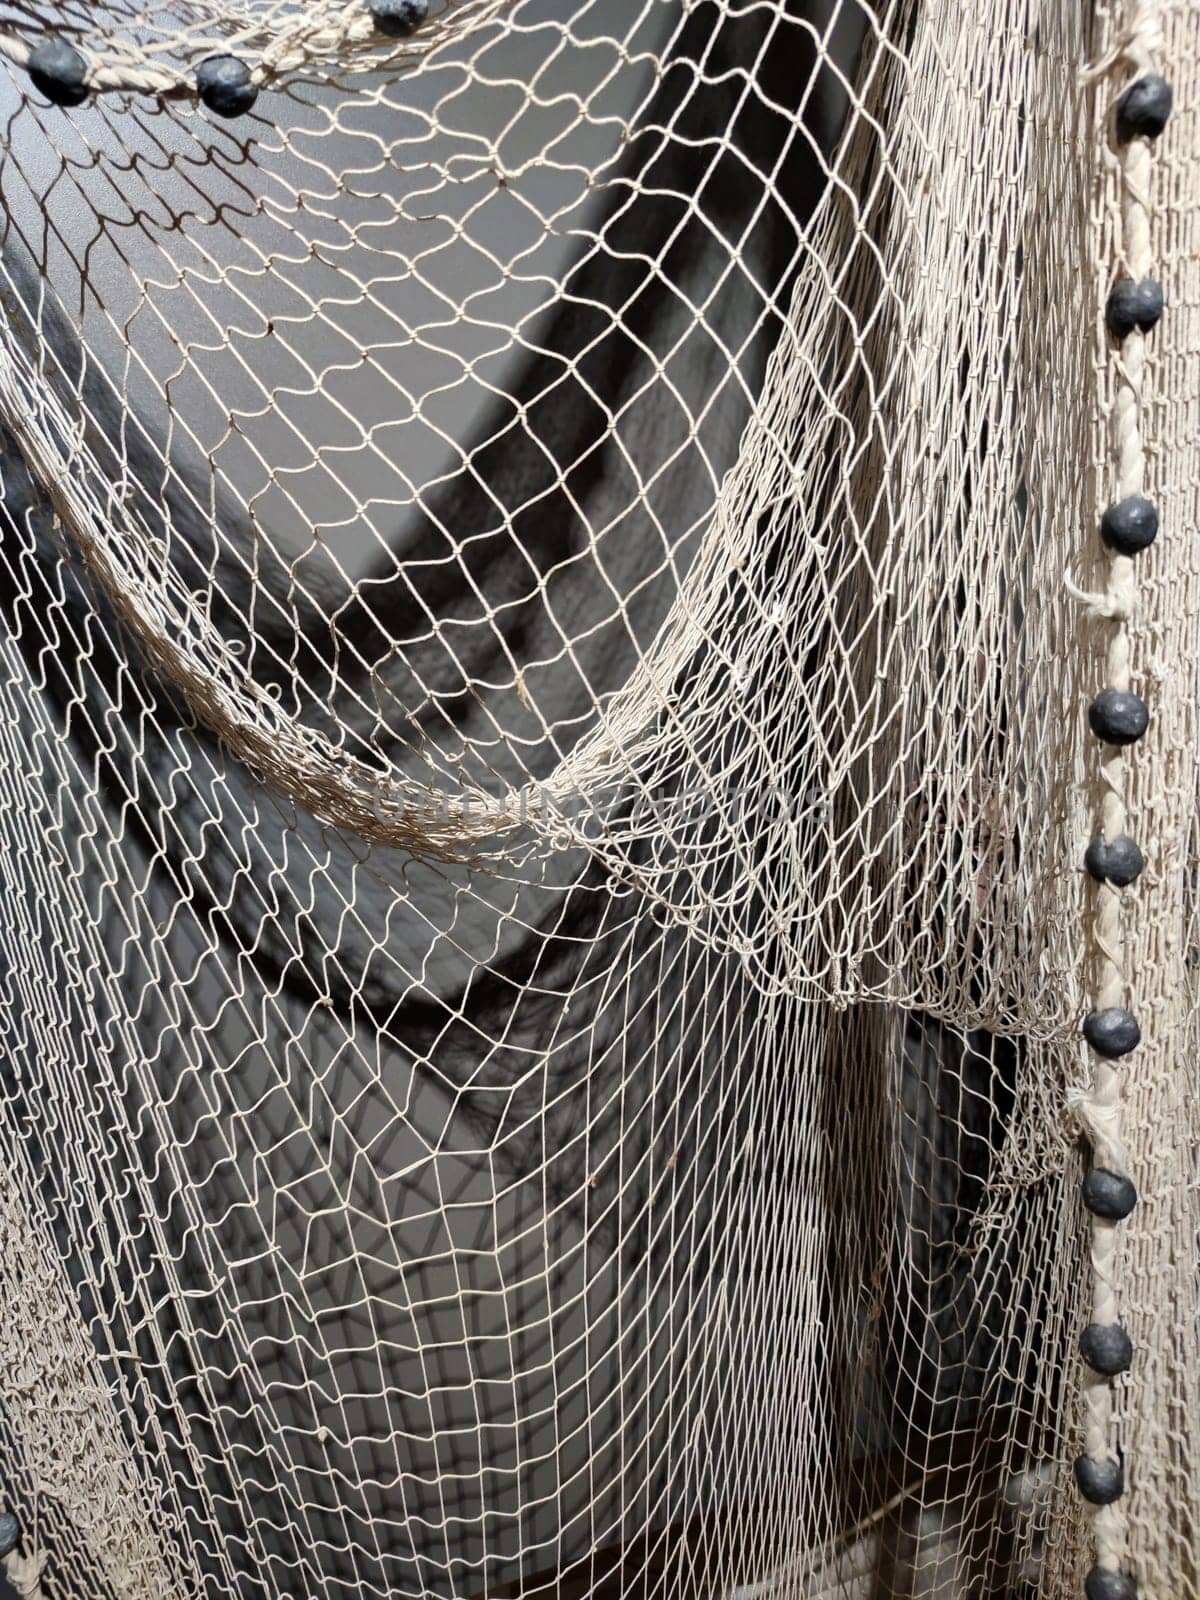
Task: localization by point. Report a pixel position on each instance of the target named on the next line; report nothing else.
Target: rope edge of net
(1118, 718)
(323, 34)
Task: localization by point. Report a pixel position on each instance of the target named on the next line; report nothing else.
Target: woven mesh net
(551, 591)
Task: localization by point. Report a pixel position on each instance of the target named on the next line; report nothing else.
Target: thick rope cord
(1118, 717)
(333, 32)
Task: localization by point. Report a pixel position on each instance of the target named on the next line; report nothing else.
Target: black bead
(399, 18)
(1100, 1482)
(10, 1533)
(1144, 108)
(1112, 1033)
(1101, 1584)
(1133, 305)
(58, 70)
(1125, 861)
(1110, 1195)
(226, 86)
(1130, 526)
(1120, 862)
(1106, 1348)
(1118, 717)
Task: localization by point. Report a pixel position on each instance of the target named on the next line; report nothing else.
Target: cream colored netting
(551, 591)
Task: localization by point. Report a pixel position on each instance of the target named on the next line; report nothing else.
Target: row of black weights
(223, 83)
(1119, 718)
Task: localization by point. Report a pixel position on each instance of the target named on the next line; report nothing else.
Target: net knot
(1138, 46)
(1115, 605)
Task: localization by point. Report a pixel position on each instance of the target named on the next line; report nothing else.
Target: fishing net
(576, 587)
